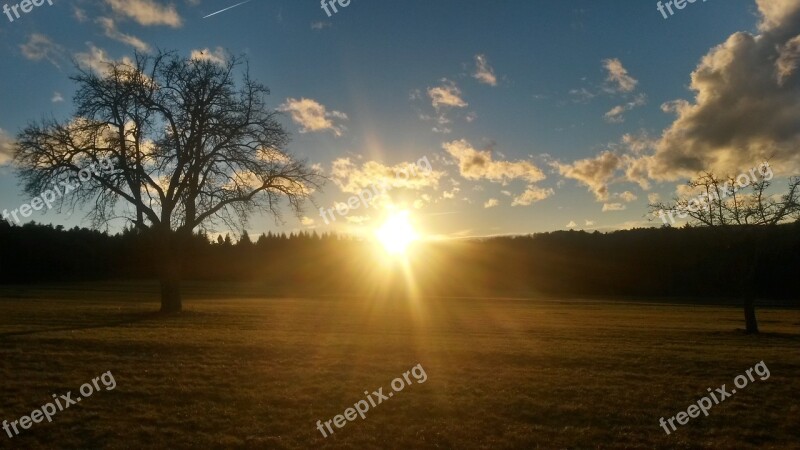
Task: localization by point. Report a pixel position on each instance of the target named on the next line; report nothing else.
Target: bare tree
(726, 202)
(192, 148)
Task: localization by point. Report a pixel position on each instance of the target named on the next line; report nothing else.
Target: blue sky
(532, 84)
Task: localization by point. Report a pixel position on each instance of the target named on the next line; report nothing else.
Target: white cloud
(217, 56)
(491, 203)
(57, 97)
(307, 221)
(112, 32)
(483, 71)
(572, 224)
(595, 172)
(320, 25)
(6, 147)
(97, 59)
(476, 164)
(39, 47)
(451, 194)
(446, 95)
(627, 197)
(313, 116)
(618, 79)
(531, 195)
(354, 179)
(746, 103)
(147, 12)
(615, 114)
(613, 207)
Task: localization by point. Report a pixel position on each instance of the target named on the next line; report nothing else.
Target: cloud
(313, 116)
(589, 223)
(97, 59)
(57, 97)
(451, 194)
(627, 196)
(79, 14)
(615, 115)
(778, 14)
(483, 71)
(746, 105)
(447, 95)
(307, 221)
(582, 95)
(6, 147)
(354, 179)
(476, 164)
(112, 32)
(320, 25)
(618, 79)
(218, 56)
(146, 12)
(613, 207)
(531, 195)
(572, 224)
(40, 47)
(491, 203)
(595, 172)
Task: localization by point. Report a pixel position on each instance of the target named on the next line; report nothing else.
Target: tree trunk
(170, 273)
(750, 280)
(750, 321)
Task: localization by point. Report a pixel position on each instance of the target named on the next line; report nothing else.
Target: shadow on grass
(127, 319)
(741, 332)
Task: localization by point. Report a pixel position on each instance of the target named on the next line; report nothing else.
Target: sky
(521, 116)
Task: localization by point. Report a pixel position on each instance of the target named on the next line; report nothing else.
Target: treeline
(662, 262)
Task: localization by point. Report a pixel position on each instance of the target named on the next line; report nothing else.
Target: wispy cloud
(483, 71)
(618, 79)
(312, 116)
(147, 12)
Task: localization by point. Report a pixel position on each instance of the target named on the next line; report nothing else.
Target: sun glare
(397, 233)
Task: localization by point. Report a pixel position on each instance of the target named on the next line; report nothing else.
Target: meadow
(240, 369)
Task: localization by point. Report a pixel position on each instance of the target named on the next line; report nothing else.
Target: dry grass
(259, 372)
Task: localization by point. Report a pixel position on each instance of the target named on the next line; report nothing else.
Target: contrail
(229, 7)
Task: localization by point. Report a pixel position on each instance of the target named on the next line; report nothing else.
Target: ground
(241, 371)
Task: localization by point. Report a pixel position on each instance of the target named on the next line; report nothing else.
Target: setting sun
(397, 233)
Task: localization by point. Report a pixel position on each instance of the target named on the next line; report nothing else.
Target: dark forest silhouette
(656, 262)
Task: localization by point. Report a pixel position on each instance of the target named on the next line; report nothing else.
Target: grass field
(247, 372)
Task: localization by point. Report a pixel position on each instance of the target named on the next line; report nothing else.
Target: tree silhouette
(191, 148)
(724, 203)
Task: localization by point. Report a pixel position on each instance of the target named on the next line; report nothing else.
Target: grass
(248, 372)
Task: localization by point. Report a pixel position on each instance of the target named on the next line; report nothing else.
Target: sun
(397, 233)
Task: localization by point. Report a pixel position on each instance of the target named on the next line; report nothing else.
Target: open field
(245, 372)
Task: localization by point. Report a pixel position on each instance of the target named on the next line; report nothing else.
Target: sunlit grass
(258, 373)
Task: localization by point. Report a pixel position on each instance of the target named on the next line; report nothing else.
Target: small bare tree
(726, 202)
(191, 147)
